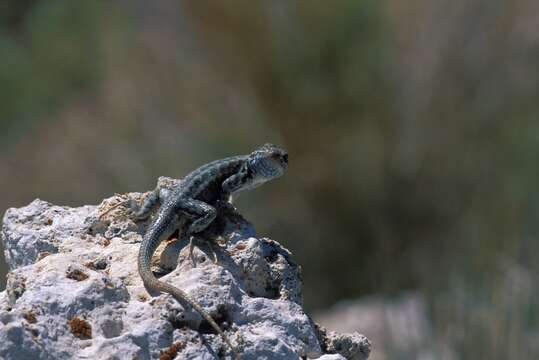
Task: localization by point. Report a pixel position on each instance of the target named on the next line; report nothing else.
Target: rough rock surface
(73, 292)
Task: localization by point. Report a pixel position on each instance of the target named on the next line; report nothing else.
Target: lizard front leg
(202, 214)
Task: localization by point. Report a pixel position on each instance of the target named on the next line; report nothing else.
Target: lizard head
(267, 162)
(264, 164)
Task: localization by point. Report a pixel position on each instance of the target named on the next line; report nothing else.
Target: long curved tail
(149, 244)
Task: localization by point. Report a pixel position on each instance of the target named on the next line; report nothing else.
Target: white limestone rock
(73, 292)
(331, 357)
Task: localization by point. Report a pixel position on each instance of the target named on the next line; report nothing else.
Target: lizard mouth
(272, 167)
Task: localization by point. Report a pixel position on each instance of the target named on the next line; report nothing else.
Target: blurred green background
(411, 126)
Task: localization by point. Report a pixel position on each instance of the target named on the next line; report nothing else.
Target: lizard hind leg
(142, 212)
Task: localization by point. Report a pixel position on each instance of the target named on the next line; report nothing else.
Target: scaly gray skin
(195, 198)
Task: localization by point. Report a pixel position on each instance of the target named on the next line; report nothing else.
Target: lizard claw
(112, 208)
(132, 207)
(215, 259)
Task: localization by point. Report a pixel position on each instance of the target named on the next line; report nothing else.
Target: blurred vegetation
(49, 52)
(411, 129)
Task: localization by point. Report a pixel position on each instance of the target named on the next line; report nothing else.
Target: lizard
(195, 198)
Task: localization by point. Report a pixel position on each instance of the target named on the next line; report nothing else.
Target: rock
(352, 346)
(331, 357)
(74, 292)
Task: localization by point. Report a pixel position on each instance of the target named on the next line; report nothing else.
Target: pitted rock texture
(74, 292)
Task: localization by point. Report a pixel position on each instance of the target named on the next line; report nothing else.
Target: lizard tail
(151, 282)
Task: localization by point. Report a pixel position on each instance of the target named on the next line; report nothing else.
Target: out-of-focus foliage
(49, 51)
(411, 128)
